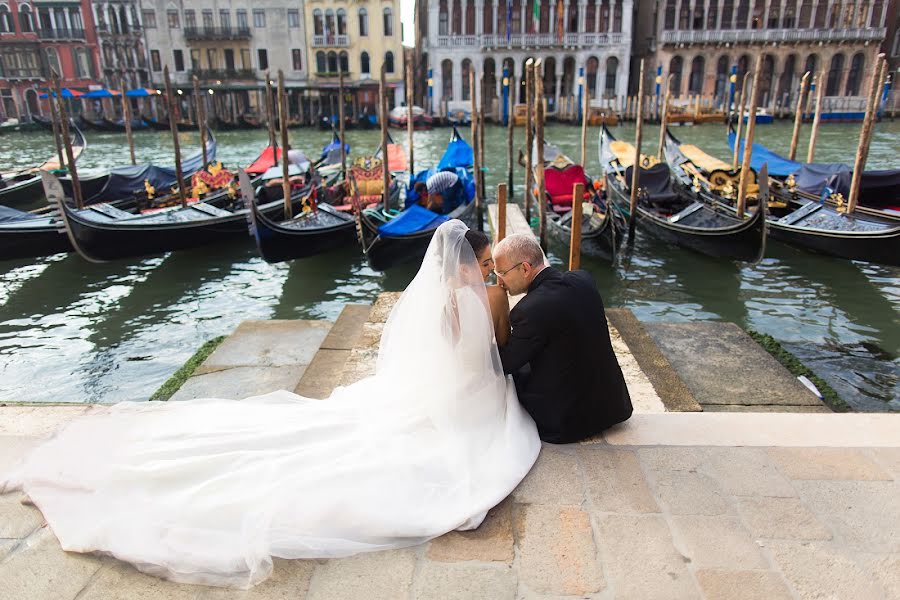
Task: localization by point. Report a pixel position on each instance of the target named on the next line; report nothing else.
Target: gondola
(879, 190)
(602, 229)
(90, 124)
(163, 125)
(23, 187)
(101, 232)
(29, 235)
(807, 224)
(398, 116)
(250, 121)
(678, 218)
(392, 237)
(119, 125)
(130, 182)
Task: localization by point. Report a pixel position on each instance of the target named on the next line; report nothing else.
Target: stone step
(258, 358)
(325, 371)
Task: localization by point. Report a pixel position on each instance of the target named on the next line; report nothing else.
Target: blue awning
(778, 165)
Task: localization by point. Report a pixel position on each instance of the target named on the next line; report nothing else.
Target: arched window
(676, 66)
(789, 20)
(488, 17)
(695, 83)
(321, 63)
(876, 17)
(617, 17)
(470, 17)
(6, 25)
(364, 63)
(332, 62)
(457, 18)
(52, 60)
(363, 23)
(743, 11)
(572, 21)
(727, 14)
(464, 74)
(721, 77)
(447, 80)
(612, 67)
(821, 13)
(591, 71)
(318, 22)
(25, 22)
(805, 14)
(113, 20)
(344, 59)
(812, 63)
(765, 80)
(684, 17)
(443, 18)
(786, 83)
(389, 62)
(854, 78)
(329, 26)
(342, 21)
(388, 23)
(698, 16)
(123, 19)
(834, 75)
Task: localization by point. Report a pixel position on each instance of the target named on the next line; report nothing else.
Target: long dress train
(207, 491)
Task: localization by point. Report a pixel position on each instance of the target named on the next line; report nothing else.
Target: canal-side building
(488, 36)
(698, 41)
(39, 37)
(229, 45)
(123, 56)
(356, 36)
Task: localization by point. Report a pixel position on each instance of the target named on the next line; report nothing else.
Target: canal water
(71, 331)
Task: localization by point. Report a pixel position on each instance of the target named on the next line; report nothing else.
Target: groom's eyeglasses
(503, 273)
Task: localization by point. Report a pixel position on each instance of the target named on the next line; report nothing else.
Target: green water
(71, 331)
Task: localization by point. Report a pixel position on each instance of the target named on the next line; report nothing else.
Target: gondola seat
(560, 184)
(366, 177)
(657, 184)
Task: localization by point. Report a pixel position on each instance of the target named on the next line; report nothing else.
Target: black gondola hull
(22, 193)
(30, 242)
(278, 244)
(603, 243)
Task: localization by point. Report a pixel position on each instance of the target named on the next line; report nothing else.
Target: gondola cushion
(560, 184)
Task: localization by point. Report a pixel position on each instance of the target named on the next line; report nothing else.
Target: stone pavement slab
(722, 366)
(742, 585)
(235, 383)
(277, 343)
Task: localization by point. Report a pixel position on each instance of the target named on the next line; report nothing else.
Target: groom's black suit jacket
(560, 355)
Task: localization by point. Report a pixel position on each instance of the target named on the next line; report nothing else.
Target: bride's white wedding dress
(207, 491)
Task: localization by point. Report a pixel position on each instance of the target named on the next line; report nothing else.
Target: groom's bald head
(517, 259)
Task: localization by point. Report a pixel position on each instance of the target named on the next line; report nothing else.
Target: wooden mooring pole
(173, 128)
(865, 134)
(740, 123)
(748, 142)
(501, 212)
(410, 120)
(510, 126)
(798, 117)
(383, 119)
(636, 167)
(814, 134)
(664, 119)
(539, 142)
(67, 142)
(285, 164)
(575, 227)
(529, 135)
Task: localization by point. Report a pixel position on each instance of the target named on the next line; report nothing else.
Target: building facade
(123, 56)
(357, 37)
(229, 45)
(493, 36)
(38, 38)
(698, 41)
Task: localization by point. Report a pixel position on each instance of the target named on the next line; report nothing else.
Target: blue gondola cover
(413, 219)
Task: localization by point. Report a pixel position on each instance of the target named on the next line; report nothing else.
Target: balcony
(216, 34)
(336, 74)
(529, 40)
(763, 36)
(222, 74)
(21, 74)
(61, 34)
(331, 41)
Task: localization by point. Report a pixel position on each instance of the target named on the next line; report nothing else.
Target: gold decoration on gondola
(719, 179)
(233, 190)
(790, 183)
(560, 162)
(648, 161)
(840, 202)
(696, 185)
(151, 191)
(728, 189)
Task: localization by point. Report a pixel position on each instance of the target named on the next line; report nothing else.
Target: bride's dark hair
(478, 240)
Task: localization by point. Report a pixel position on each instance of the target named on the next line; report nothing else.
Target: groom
(559, 352)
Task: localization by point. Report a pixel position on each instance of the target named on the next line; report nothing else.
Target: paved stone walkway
(669, 505)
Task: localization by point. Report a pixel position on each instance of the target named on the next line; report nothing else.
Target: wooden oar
(173, 128)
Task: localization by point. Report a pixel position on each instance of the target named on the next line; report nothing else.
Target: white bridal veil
(207, 491)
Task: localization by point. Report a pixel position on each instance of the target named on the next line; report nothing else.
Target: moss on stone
(174, 383)
(797, 368)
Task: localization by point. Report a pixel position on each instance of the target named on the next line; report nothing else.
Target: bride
(208, 491)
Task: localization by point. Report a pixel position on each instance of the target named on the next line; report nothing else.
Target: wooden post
(539, 142)
(270, 116)
(575, 227)
(740, 124)
(126, 116)
(67, 142)
(820, 94)
(509, 139)
(529, 135)
(501, 212)
(636, 167)
(748, 143)
(664, 122)
(383, 101)
(410, 125)
(341, 117)
(201, 119)
(585, 110)
(56, 125)
(865, 134)
(173, 128)
(476, 156)
(481, 148)
(285, 164)
(798, 117)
